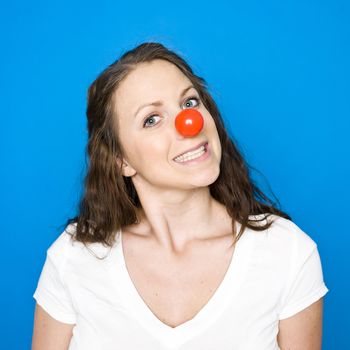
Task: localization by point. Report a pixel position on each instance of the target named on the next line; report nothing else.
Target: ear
(127, 170)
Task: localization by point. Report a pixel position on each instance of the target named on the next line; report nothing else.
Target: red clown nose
(189, 122)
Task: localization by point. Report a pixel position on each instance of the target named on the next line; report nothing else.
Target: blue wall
(279, 72)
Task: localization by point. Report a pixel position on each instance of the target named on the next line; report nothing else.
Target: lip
(192, 149)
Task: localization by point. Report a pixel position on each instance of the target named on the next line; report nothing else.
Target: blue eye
(150, 118)
(193, 98)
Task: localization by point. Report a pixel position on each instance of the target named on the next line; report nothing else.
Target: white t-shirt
(273, 274)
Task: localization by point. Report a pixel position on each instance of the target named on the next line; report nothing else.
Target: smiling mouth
(193, 154)
(193, 150)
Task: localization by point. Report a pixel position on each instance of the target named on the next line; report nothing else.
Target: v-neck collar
(210, 312)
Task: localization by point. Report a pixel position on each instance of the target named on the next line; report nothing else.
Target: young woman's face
(148, 134)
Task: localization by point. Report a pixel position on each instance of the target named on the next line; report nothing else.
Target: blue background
(279, 72)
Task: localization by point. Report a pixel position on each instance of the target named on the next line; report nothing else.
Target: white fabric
(273, 274)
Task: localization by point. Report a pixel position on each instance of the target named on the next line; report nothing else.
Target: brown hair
(110, 200)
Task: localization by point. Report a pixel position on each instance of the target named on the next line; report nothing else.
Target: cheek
(149, 151)
(213, 136)
(208, 120)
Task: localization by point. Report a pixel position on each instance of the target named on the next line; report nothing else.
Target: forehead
(148, 82)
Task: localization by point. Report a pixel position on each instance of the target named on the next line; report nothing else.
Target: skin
(48, 333)
(172, 196)
(302, 331)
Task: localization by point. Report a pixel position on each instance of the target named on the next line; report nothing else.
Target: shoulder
(66, 248)
(289, 233)
(59, 250)
(288, 254)
(284, 242)
(63, 242)
(284, 233)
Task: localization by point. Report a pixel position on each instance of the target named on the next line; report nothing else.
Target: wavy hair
(109, 200)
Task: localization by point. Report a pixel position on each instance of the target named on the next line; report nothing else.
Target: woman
(173, 250)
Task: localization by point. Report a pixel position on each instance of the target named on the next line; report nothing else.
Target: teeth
(191, 155)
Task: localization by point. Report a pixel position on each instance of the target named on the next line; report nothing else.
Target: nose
(189, 122)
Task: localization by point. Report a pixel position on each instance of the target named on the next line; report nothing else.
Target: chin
(206, 178)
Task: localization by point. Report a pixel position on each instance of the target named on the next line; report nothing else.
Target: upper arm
(302, 331)
(55, 315)
(48, 333)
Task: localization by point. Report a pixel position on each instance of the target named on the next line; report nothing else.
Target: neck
(175, 219)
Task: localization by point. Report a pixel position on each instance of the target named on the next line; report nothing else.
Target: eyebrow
(159, 103)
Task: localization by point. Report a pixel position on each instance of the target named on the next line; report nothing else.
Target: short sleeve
(307, 284)
(51, 292)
